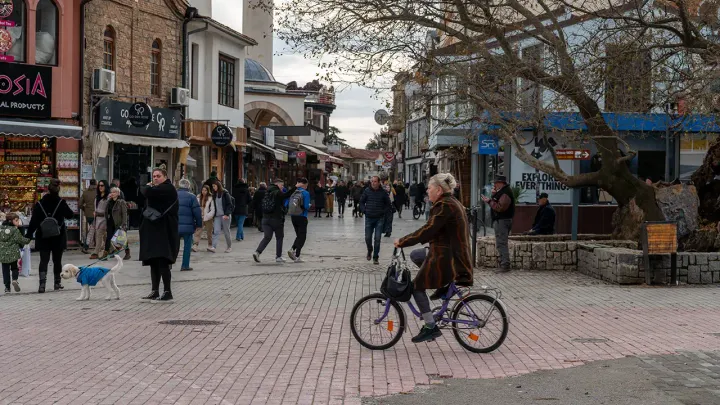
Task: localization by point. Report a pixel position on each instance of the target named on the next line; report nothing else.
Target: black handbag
(152, 215)
(398, 284)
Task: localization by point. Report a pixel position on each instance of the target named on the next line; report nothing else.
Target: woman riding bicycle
(448, 257)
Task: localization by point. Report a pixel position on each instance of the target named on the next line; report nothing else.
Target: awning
(313, 149)
(145, 140)
(44, 128)
(334, 160)
(280, 155)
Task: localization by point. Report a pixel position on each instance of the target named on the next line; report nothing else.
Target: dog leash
(107, 256)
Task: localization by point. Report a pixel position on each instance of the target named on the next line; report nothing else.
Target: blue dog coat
(91, 275)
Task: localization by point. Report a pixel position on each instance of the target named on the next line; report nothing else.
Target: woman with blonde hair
(447, 259)
(208, 216)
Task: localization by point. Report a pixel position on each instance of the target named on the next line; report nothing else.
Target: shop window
(13, 39)
(46, 33)
(155, 67)
(226, 91)
(109, 48)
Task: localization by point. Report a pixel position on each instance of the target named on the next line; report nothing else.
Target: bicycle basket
(397, 284)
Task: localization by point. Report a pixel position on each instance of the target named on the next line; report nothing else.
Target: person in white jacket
(208, 213)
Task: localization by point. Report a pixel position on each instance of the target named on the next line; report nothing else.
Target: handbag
(350, 204)
(398, 284)
(153, 215)
(119, 239)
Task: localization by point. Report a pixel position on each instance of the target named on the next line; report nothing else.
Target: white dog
(90, 276)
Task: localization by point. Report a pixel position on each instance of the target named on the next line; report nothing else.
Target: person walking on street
(51, 239)
(189, 219)
(241, 194)
(298, 210)
(223, 209)
(116, 183)
(390, 213)
(159, 237)
(502, 205)
(87, 207)
(273, 206)
(448, 258)
(207, 206)
(341, 193)
(375, 203)
(407, 197)
(400, 197)
(330, 199)
(11, 241)
(116, 217)
(257, 205)
(357, 192)
(320, 199)
(100, 222)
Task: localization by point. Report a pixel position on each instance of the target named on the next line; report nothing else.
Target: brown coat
(447, 231)
(87, 201)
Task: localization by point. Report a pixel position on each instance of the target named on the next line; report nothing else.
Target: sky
(355, 106)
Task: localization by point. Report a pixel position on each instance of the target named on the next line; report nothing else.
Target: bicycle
(472, 326)
(418, 210)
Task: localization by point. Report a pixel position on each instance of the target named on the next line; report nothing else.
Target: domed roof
(256, 72)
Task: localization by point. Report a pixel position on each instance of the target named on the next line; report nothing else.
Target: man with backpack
(273, 222)
(298, 207)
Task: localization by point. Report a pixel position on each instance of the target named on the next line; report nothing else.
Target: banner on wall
(534, 181)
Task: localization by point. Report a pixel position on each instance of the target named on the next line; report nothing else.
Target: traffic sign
(573, 154)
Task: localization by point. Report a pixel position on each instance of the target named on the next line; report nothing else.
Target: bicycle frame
(452, 291)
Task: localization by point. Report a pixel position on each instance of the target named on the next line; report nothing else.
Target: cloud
(356, 106)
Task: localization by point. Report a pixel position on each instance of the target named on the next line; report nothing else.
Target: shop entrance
(131, 164)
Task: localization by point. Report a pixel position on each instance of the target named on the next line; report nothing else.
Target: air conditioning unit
(309, 114)
(103, 81)
(179, 97)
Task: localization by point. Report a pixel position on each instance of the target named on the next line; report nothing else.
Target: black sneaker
(153, 295)
(7, 290)
(501, 270)
(427, 333)
(369, 256)
(256, 257)
(376, 261)
(186, 269)
(165, 298)
(58, 287)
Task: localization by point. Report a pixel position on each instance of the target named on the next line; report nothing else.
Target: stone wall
(611, 260)
(554, 252)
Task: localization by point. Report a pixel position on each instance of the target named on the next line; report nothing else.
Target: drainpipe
(81, 86)
(190, 14)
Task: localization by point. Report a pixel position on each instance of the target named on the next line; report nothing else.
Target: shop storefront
(204, 157)
(132, 139)
(33, 147)
(266, 164)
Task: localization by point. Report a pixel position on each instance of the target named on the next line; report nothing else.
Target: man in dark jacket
(257, 205)
(189, 219)
(357, 192)
(502, 204)
(375, 203)
(544, 223)
(241, 194)
(400, 197)
(273, 221)
(341, 193)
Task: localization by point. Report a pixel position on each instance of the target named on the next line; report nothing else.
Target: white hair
(113, 189)
(184, 183)
(445, 181)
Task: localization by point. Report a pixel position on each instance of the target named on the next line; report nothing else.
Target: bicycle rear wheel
(374, 334)
(491, 326)
(417, 211)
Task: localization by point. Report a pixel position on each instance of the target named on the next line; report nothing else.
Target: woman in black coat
(320, 197)
(159, 239)
(256, 205)
(55, 245)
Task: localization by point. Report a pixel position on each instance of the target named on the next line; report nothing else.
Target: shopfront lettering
(115, 116)
(25, 91)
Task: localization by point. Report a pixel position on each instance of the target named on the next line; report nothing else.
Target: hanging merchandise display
(25, 172)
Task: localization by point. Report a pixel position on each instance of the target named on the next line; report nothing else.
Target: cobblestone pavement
(285, 338)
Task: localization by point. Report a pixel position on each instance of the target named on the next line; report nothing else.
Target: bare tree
(474, 60)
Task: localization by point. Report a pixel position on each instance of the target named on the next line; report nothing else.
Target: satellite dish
(382, 117)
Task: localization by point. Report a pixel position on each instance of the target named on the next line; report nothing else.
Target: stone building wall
(137, 24)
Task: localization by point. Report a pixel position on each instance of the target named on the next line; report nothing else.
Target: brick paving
(285, 338)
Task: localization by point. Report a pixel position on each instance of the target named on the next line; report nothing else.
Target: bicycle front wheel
(371, 328)
(480, 323)
(417, 212)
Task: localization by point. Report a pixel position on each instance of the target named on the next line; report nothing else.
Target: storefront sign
(6, 41)
(221, 136)
(25, 90)
(389, 156)
(534, 181)
(140, 114)
(378, 162)
(487, 145)
(114, 116)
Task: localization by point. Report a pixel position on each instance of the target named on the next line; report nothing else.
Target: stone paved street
(283, 334)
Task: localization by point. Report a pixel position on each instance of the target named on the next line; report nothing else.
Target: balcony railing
(321, 98)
